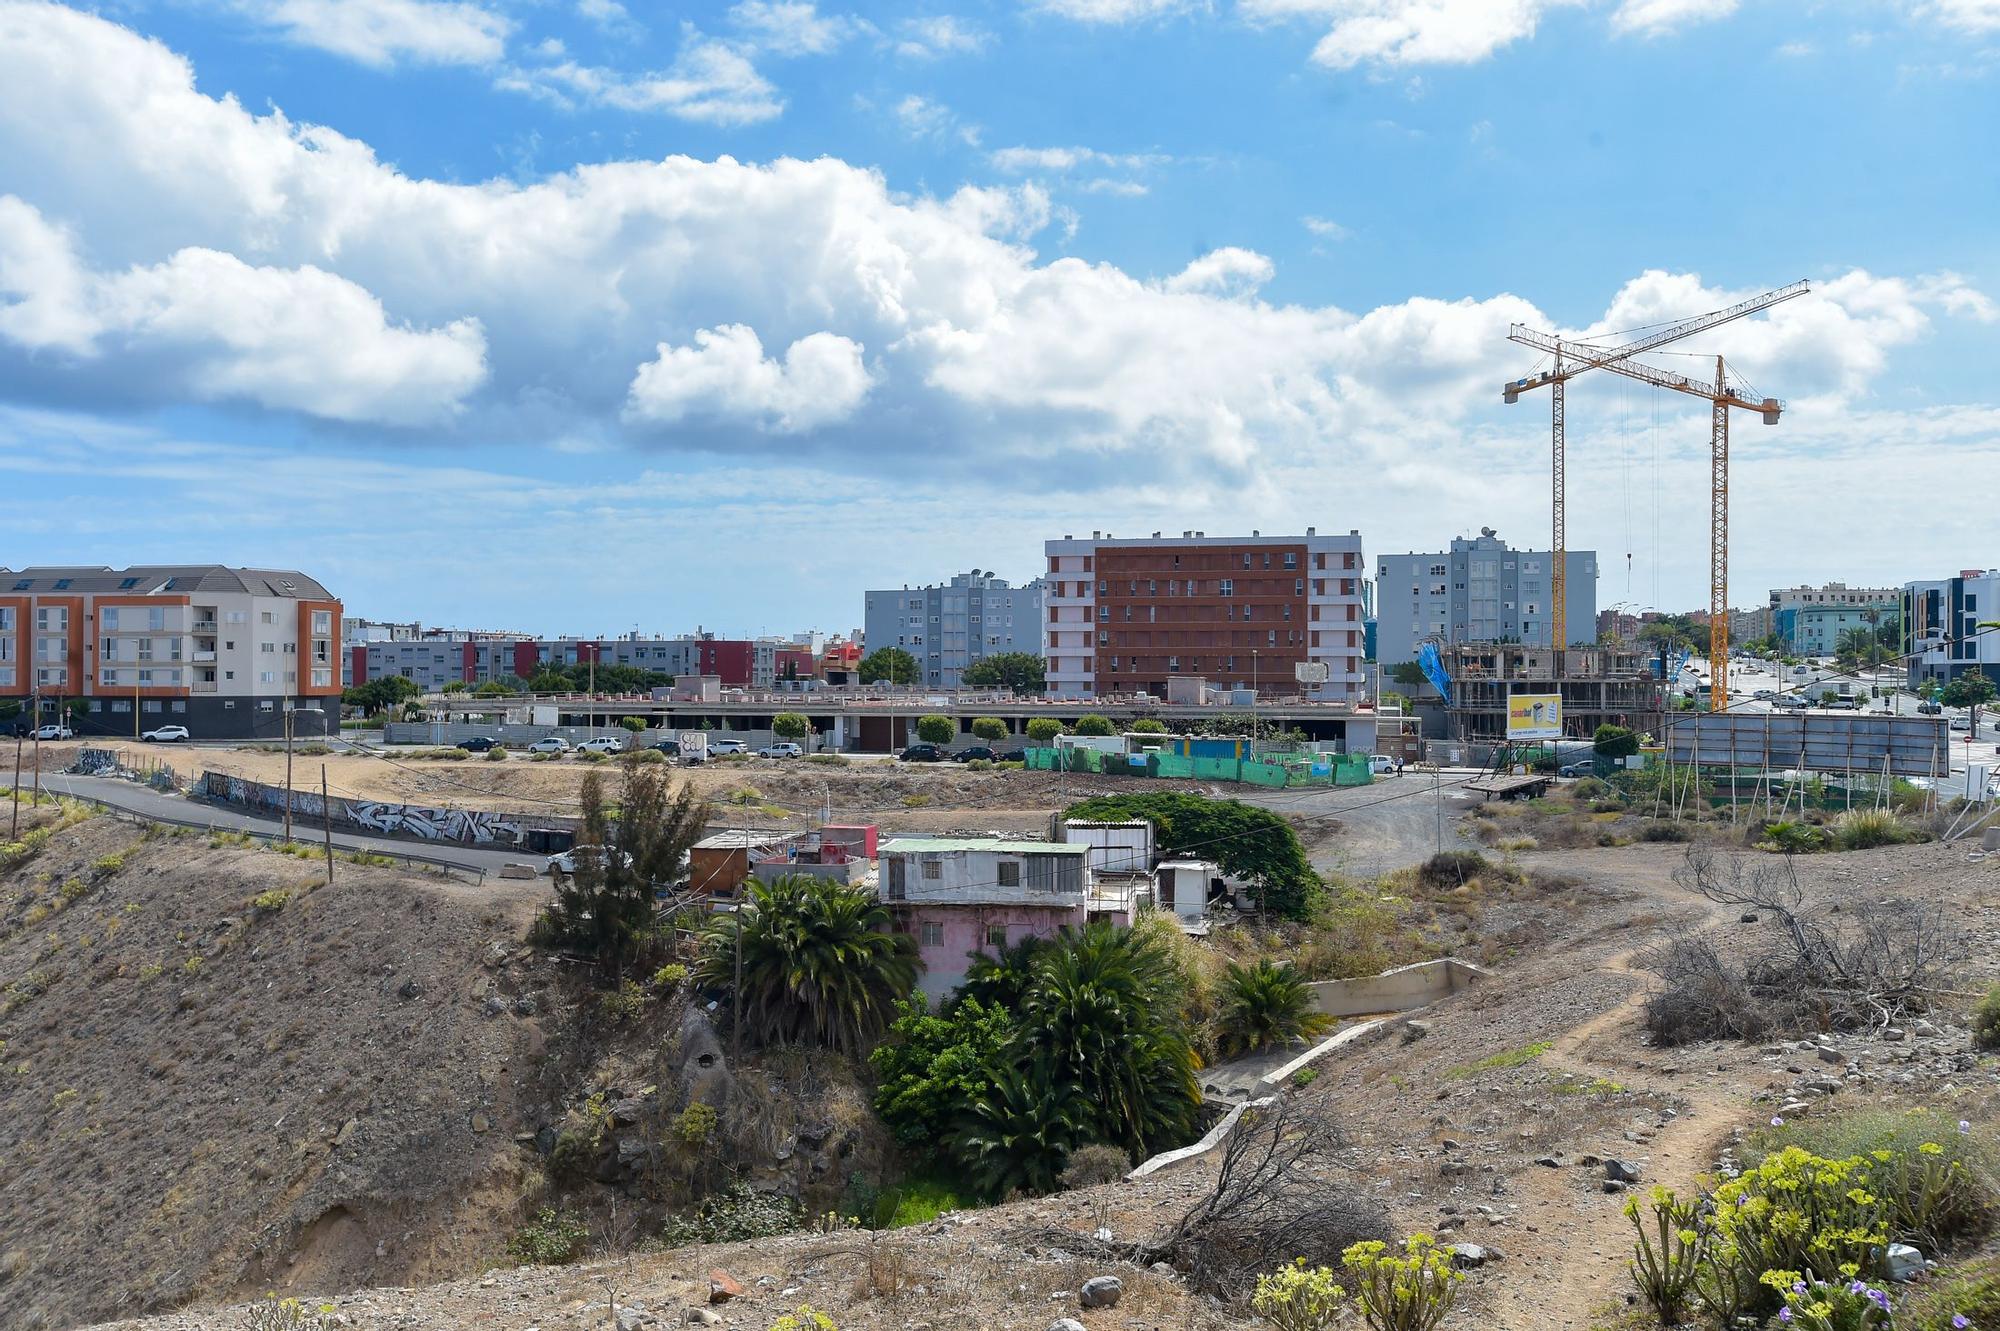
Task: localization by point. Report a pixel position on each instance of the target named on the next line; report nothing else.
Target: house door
(897, 881)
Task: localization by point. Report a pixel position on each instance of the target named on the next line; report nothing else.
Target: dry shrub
(1450, 869)
(1094, 1164)
(1700, 996)
(1272, 1199)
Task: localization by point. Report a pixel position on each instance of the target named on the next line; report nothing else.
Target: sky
(574, 316)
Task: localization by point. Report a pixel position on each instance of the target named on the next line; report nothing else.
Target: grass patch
(1594, 1086)
(1970, 1290)
(916, 1201)
(917, 801)
(1506, 1058)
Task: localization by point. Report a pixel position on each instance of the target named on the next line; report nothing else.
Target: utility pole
(326, 822)
(288, 770)
(37, 801)
(1437, 798)
(135, 703)
(14, 832)
(736, 995)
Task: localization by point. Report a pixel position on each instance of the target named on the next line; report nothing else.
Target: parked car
(718, 747)
(553, 744)
(477, 744)
(1381, 764)
(1011, 756)
(1789, 702)
(670, 747)
(969, 754)
(55, 731)
(167, 735)
(1842, 705)
(1581, 769)
(1929, 707)
(602, 744)
(784, 748)
(1764, 695)
(921, 753)
(566, 862)
(1957, 723)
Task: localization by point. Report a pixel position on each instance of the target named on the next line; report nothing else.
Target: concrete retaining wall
(1398, 990)
(1216, 1136)
(1278, 1078)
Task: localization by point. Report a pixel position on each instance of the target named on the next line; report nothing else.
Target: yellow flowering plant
(1298, 1297)
(1411, 1292)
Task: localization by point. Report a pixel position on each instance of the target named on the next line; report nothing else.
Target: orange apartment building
(225, 652)
(1126, 616)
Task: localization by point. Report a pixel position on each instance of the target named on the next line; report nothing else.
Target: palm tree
(1102, 1016)
(1265, 1005)
(819, 965)
(1001, 978)
(1017, 1135)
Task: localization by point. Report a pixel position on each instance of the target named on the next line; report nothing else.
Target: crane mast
(1572, 358)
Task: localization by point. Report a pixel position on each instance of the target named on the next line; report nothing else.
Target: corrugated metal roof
(937, 845)
(146, 579)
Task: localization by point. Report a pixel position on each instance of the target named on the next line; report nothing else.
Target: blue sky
(580, 317)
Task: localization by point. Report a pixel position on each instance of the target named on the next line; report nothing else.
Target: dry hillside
(221, 1074)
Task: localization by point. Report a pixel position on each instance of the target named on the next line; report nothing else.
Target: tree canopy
(790, 725)
(381, 695)
(892, 664)
(989, 728)
(1093, 724)
(1971, 689)
(1615, 742)
(936, 729)
(1018, 672)
(1246, 842)
(1043, 730)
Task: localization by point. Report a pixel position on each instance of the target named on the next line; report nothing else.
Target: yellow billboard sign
(1534, 716)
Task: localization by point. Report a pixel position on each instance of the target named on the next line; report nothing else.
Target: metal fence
(1274, 770)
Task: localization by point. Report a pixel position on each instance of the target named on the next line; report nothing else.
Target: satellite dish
(1312, 672)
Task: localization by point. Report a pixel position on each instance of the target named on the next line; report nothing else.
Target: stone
(1548, 1162)
(480, 1122)
(1066, 1324)
(1450, 1144)
(703, 1317)
(1613, 1185)
(1894, 1033)
(1904, 1262)
(1101, 1292)
(632, 1319)
(493, 1006)
(1828, 1054)
(410, 989)
(1468, 1256)
(347, 1131)
(722, 1287)
(1414, 1031)
(1163, 1269)
(1748, 917)
(1621, 1171)
(1823, 1086)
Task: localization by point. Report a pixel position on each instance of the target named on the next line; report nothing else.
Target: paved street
(146, 802)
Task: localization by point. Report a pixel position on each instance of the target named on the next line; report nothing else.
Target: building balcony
(202, 686)
(203, 626)
(204, 654)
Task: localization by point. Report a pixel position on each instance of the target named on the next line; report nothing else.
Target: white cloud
(1122, 189)
(1977, 17)
(383, 32)
(792, 27)
(709, 82)
(726, 375)
(977, 345)
(1656, 18)
(1229, 271)
(1324, 228)
(607, 14)
(929, 38)
(298, 339)
(922, 118)
(1417, 32)
(1112, 11)
(1024, 160)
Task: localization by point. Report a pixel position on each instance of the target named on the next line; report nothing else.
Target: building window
(1226, 587)
(1008, 873)
(933, 870)
(933, 934)
(996, 935)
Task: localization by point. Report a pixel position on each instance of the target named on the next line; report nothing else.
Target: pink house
(961, 895)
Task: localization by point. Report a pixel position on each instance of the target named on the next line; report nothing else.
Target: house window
(1009, 873)
(996, 935)
(933, 934)
(933, 870)
(1226, 587)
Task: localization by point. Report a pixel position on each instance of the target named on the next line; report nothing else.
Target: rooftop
(152, 579)
(921, 845)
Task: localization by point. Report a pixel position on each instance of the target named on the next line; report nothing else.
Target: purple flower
(1777, 1122)
(1785, 1315)
(1963, 1128)
(1959, 1321)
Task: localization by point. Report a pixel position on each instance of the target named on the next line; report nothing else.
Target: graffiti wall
(469, 826)
(95, 762)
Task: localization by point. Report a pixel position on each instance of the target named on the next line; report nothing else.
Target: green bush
(1940, 1182)
(591, 756)
(108, 864)
(936, 729)
(1096, 725)
(1986, 1020)
(1668, 1257)
(1043, 730)
(1263, 1006)
(496, 754)
(734, 1216)
(979, 765)
(1865, 829)
(1299, 1297)
(695, 1126)
(1413, 1292)
(1792, 838)
(932, 1065)
(915, 1202)
(625, 1003)
(671, 976)
(638, 756)
(1451, 869)
(1794, 1211)
(552, 1238)
(989, 728)
(273, 900)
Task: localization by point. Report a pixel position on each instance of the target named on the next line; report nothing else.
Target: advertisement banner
(1534, 716)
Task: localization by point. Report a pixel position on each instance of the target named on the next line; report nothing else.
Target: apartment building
(950, 625)
(439, 657)
(1941, 635)
(225, 652)
(1810, 620)
(1480, 590)
(1126, 616)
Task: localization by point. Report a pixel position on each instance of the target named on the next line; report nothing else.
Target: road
(148, 803)
(1391, 823)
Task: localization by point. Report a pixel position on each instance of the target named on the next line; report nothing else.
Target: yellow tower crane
(1572, 358)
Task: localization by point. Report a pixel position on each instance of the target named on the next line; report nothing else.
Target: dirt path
(1572, 1263)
